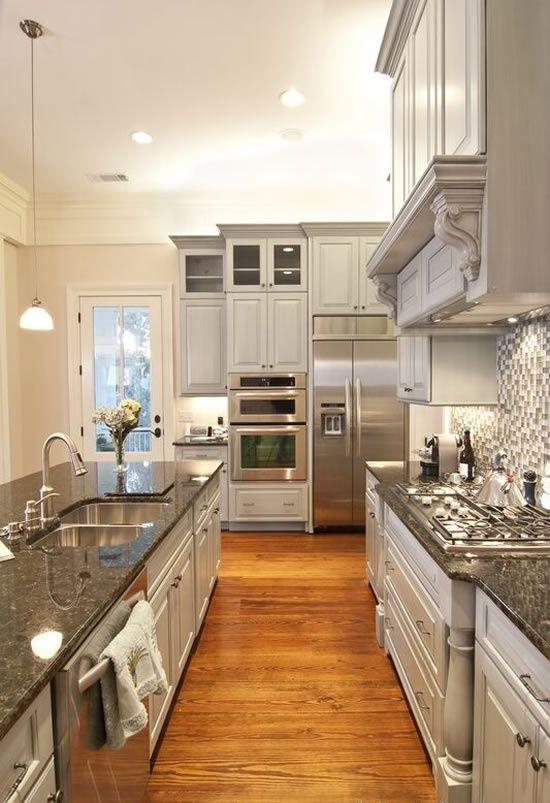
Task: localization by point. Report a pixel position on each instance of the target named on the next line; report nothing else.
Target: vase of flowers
(120, 421)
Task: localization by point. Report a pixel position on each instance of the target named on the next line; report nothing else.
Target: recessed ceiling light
(288, 249)
(292, 135)
(512, 319)
(291, 98)
(141, 137)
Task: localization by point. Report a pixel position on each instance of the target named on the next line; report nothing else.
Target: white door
(503, 741)
(121, 358)
(247, 332)
(159, 703)
(287, 332)
(182, 614)
(203, 346)
(202, 574)
(368, 301)
(335, 275)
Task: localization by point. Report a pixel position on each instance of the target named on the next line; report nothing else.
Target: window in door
(122, 359)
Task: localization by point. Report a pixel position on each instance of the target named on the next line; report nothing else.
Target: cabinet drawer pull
(55, 797)
(421, 629)
(177, 580)
(388, 565)
(537, 764)
(538, 694)
(372, 515)
(522, 740)
(289, 504)
(420, 700)
(216, 510)
(248, 504)
(407, 390)
(387, 622)
(18, 781)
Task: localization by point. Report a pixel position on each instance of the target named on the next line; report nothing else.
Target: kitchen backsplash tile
(520, 422)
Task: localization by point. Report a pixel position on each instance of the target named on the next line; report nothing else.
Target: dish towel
(138, 669)
(96, 731)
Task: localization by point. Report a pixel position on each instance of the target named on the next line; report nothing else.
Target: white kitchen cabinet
(203, 337)
(201, 272)
(400, 132)
(182, 614)
(208, 452)
(542, 788)
(287, 264)
(442, 281)
(368, 300)
(202, 573)
(444, 370)
(246, 332)
(423, 87)
(287, 332)
(268, 502)
(45, 788)
(159, 704)
(409, 292)
(335, 275)
(246, 264)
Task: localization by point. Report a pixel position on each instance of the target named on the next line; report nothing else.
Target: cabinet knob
(262, 284)
(388, 565)
(271, 366)
(355, 306)
(363, 307)
(263, 366)
(372, 515)
(387, 622)
(421, 628)
(271, 284)
(537, 764)
(522, 740)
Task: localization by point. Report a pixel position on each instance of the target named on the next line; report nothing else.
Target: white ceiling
(203, 77)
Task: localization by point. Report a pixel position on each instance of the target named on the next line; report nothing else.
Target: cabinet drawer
(424, 697)
(29, 745)
(159, 560)
(268, 503)
(425, 621)
(45, 788)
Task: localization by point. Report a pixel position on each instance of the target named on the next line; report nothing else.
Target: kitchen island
(67, 590)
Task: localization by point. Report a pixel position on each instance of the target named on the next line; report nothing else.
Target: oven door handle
(348, 417)
(265, 394)
(250, 429)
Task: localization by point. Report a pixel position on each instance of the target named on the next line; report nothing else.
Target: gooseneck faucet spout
(46, 491)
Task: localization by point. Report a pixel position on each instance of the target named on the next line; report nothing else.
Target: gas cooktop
(460, 524)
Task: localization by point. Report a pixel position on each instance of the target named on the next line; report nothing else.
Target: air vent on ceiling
(110, 178)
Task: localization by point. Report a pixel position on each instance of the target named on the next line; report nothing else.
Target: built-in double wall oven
(267, 431)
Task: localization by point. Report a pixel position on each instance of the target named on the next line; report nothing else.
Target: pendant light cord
(33, 176)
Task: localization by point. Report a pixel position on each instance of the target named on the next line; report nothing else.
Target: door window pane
(122, 369)
(286, 264)
(268, 451)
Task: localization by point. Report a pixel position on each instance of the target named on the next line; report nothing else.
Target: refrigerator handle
(348, 417)
(358, 402)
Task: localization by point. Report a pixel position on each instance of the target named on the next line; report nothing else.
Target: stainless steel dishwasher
(84, 774)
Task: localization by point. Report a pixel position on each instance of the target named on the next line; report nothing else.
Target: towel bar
(90, 677)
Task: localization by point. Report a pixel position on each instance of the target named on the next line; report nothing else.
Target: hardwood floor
(288, 696)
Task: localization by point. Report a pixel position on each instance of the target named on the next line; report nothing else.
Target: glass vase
(120, 464)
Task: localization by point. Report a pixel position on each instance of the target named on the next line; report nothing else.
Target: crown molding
(446, 203)
(235, 230)
(358, 229)
(14, 211)
(395, 37)
(201, 241)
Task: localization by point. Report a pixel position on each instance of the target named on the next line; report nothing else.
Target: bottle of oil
(467, 460)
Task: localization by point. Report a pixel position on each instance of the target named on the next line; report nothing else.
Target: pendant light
(35, 317)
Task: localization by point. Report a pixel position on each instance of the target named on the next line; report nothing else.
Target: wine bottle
(467, 460)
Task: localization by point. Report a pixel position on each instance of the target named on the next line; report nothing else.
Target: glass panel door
(122, 359)
(203, 273)
(287, 265)
(246, 265)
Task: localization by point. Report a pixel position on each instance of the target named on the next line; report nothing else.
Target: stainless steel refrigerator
(356, 418)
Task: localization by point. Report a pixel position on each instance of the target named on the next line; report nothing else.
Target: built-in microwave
(277, 399)
(268, 453)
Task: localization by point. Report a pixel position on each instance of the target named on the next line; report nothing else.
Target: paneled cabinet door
(287, 265)
(368, 301)
(216, 536)
(247, 332)
(400, 125)
(202, 574)
(159, 704)
(183, 608)
(424, 87)
(502, 767)
(246, 265)
(414, 368)
(287, 332)
(543, 775)
(334, 275)
(409, 291)
(442, 281)
(405, 357)
(203, 335)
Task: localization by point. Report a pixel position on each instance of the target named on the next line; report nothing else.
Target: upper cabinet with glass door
(271, 258)
(201, 266)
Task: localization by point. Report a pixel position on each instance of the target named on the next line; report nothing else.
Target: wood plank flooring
(288, 696)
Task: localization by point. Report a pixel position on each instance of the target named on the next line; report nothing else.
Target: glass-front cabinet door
(246, 265)
(287, 264)
(201, 273)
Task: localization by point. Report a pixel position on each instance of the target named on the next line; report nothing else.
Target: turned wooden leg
(459, 706)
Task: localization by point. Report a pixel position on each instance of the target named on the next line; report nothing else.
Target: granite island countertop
(519, 584)
(71, 590)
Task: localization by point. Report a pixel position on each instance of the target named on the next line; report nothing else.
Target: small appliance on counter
(440, 455)
(500, 488)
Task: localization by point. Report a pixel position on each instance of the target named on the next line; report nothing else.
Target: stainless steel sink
(113, 513)
(86, 535)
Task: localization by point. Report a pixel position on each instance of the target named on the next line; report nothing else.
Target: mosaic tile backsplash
(520, 422)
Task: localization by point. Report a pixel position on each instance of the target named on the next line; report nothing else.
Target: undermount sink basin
(116, 513)
(86, 535)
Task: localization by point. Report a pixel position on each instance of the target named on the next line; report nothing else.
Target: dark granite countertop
(68, 592)
(518, 584)
(206, 441)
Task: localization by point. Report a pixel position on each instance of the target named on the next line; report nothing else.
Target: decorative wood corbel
(458, 223)
(386, 291)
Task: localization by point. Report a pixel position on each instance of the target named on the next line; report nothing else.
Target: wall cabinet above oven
(275, 264)
(267, 332)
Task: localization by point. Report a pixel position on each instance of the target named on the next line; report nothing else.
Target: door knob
(157, 432)
(157, 419)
